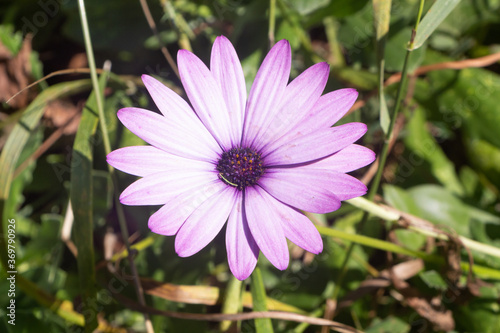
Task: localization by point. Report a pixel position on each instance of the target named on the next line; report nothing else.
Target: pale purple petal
(206, 97)
(168, 219)
(242, 251)
(327, 110)
(227, 71)
(177, 111)
(348, 159)
(267, 91)
(301, 188)
(157, 131)
(204, 224)
(159, 188)
(300, 95)
(347, 187)
(145, 160)
(264, 223)
(299, 229)
(316, 145)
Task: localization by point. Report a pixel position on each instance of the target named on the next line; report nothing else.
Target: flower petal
(177, 111)
(242, 251)
(159, 188)
(347, 187)
(205, 223)
(267, 91)
(310, 189)
(327, 110)
(300, 95)
(299, 229)
(157, 131)
(263, 221)
(168, 219)
(316, 145)
(206, 97)
(348, 159)
(302, 188)
(145, 160)
(227, 71)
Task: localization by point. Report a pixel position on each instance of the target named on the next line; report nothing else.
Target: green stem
(107, 149)
(262, 325)
(272, 21)
(93, 75)
(374, 209)
(232, 301)
(485, 272)
(383, 156)
(331, 28)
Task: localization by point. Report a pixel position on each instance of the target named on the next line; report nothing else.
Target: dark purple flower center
(240, 167)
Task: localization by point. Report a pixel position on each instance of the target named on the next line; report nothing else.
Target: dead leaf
(180, 293)
(15, 74)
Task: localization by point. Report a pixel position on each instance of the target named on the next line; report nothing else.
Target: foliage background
(444, 167)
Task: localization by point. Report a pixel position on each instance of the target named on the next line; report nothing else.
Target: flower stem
(262, 325)
(383, 156)
(483, 271)
(272, 21)
(93, 75)
(107, 149)
(232, 301)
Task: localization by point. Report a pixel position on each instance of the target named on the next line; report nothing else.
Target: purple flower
(253, 162)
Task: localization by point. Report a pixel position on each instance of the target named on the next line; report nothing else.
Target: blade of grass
(382, 16)
(107, 149)
(272, 21)
(81, 201)
(8, 160)
(436, 14)
(262, 325)
(232, 300)
(484, 272)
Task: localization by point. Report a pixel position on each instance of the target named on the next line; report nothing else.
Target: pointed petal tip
(282, 265)
(242, 274)
(181, 249)
(317, 248)
(221, 38)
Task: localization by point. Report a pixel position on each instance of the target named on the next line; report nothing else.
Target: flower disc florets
(240, 167)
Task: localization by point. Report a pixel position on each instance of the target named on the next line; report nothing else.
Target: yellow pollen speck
(237, 155)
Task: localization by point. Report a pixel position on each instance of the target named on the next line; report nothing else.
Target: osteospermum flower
(254, 162)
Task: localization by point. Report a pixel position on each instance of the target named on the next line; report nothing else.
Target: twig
(290, 316)
(48, 76)
(152, 25)
(461, 64)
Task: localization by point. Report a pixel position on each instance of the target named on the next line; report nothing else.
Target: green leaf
(435, 204)
(305, 7)
(389, 324)
(433, 280)
(81, 197)
(19, 136)
(396, 48)
(421, 142)
(262, 325)
(436, 14)
(385, 118)
(28, 122)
